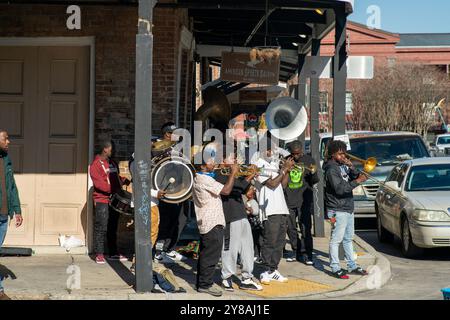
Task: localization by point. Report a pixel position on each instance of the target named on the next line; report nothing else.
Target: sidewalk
(46, 277)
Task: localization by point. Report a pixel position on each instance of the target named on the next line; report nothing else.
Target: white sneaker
(175, 256)
(163, 258)
(276, 275)
(250, 284)
(265, 277)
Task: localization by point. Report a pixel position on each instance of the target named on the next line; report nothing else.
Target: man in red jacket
(104, 173)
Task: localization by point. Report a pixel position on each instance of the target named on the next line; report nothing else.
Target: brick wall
(114, 28)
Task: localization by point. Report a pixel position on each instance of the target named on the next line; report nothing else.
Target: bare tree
(399, 98)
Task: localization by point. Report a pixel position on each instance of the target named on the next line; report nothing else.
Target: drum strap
(106, 171)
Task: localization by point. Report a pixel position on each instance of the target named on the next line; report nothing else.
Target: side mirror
(432, 144)
(393, 185)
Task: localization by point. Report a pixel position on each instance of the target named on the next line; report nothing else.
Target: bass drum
(173, 167)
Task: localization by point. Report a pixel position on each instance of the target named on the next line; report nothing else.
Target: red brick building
(386, 48)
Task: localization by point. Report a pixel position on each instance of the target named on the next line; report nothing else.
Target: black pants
(173, 218)
(257, 240)
(105, 228)
(209, 255)
(275, 228)
(303, 244)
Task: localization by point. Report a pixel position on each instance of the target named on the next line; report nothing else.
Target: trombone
(370, 165)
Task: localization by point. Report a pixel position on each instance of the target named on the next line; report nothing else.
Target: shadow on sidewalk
(123, 272)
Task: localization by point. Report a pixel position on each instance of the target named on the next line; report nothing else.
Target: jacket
(339, 185)
(105, 176)
(11, 188)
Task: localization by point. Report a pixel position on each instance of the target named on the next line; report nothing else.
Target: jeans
(342, 231)
(3, 229)
(105, 229)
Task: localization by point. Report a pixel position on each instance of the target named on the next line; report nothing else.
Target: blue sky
(407, 16)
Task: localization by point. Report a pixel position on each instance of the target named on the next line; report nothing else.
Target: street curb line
(362, 284)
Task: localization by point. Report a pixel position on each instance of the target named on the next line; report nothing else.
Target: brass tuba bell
(215, 111)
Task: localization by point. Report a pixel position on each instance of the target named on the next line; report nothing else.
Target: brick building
(386, 48)
(62, 91)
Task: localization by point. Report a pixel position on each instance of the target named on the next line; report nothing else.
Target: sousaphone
(286, 118)
(215, 111)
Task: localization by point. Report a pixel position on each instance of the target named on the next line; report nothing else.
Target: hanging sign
(242, 67)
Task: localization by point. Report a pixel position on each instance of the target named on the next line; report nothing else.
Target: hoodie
(339, 185)
(105, 176)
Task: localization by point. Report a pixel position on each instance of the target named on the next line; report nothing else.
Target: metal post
(143, 131)
(339, 72)
(319, 222)
(300, 93)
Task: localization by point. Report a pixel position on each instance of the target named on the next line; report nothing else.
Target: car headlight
(359, 191)
(430, 215)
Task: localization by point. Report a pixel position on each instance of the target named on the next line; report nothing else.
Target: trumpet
(246, 170)
(249, 170)
(301, 166)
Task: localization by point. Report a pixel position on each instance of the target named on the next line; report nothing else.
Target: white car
(441, 145)
(414, 205)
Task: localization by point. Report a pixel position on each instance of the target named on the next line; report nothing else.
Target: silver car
(414, 205)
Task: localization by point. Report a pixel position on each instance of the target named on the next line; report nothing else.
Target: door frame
(88, 41)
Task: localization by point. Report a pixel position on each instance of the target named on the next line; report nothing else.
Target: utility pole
(143, 131)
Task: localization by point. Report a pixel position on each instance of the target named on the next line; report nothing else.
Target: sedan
(414, 205)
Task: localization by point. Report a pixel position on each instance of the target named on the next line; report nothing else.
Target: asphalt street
(420, 279)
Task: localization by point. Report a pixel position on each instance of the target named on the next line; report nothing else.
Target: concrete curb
(379, 275)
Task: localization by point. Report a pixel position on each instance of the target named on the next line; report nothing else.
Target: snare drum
(121, 202)
(173, 166)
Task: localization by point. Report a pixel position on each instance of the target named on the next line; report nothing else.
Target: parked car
(390, 149)
(441, 145)
(414, 205)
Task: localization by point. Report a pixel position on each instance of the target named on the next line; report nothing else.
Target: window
(323, 102)
(389, 149)
(444, 140)
(401, 174)
(429, 177)
(391, 62)
(394, 174)
(348, 103)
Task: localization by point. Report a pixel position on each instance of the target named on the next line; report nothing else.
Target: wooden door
(51, 154)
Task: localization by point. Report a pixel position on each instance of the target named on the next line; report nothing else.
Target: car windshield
(429, 177)
(444, 140)
(387, 149)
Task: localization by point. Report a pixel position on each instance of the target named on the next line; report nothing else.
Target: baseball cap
(168, 127)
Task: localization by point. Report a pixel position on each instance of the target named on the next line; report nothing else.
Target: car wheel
(384, 236)
(409, 249)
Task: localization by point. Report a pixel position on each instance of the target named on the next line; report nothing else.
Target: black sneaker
(359, 271)
(341, 274)
(227, 285)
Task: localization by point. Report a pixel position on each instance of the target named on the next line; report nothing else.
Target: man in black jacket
(297, 187)
(340, 180)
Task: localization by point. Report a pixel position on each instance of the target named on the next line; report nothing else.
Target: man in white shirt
(274, 209)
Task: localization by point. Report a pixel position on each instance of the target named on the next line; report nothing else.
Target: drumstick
(171, 180)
